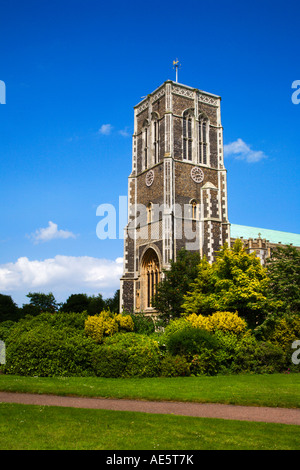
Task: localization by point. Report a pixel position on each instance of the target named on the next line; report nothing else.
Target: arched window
(155, 137)
(149, 213)
(187, 135)
(203, 130)
(193, 209)
(150, 276)
(145, 143)
(156, 141)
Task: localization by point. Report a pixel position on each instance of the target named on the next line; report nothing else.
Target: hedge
(190, 341)
(58, 345)
(46, 351)
(140, 355)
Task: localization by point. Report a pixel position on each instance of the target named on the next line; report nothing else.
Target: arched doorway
(150, 276)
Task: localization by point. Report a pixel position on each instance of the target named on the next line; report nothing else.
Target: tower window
(149, 213)
(203, 140)
(146, 147)
(156, 141)
(187, 136)
(145, 137)
(193, 209)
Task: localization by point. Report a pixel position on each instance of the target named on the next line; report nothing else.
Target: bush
(270, 358)
(110, 361)
(141, 355)
(218, 360)
(107, 324)
(282, 331)
(45, 351)
(205, 363)
(57, 345)
(63, 320)
(257, 357)
(219, 321)
(125, 322)
(176, 325)
(98, 326)
(142, 323)
(190, 341)
(59, 321)
(5, 329)
(174, 366)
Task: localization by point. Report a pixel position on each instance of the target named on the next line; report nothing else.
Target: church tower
(177, 190)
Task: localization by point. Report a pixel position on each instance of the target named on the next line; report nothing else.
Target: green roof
(274, 236)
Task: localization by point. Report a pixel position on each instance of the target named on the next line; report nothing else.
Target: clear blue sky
(74, 68)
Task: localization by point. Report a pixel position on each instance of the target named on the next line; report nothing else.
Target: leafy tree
(43, 302)
(30, 309)
(113, 303)
(8, 309)
(76, 303)
(236, 281)
(283, 269)
(170, 291)
(92, 304)
(96, 304)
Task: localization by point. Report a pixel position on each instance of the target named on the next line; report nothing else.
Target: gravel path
(202, 410)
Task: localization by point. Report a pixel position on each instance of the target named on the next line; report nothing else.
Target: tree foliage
(8, 309)
(112, 303)
(236, 281)
(76, 303)
(92, 304)
(169, 296)
(283, 268)
(43, 302)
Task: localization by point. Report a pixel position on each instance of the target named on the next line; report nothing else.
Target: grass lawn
(27, 427)
(277, 390)
(24, 427)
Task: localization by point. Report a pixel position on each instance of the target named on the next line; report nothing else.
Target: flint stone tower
(177, 190)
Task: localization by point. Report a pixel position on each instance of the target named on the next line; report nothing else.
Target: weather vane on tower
(176, 66)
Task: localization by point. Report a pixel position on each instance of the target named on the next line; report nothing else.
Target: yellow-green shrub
(107, 324)
(125, 322)
(219, 321)
(285, 332)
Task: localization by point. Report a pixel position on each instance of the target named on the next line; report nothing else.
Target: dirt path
(203, 410)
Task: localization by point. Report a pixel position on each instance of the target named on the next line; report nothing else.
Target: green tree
(113, 303)
(76, 303)
(30, 309)
(236, 281)
(8, 309)
(42, 302)
(170, 291)
(92, 304)
(96, 304)
(283, 268)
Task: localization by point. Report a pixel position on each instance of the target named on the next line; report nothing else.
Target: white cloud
(241, 151)
(62, 275)
(105, 129)
(124, 132)
(50, 233)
